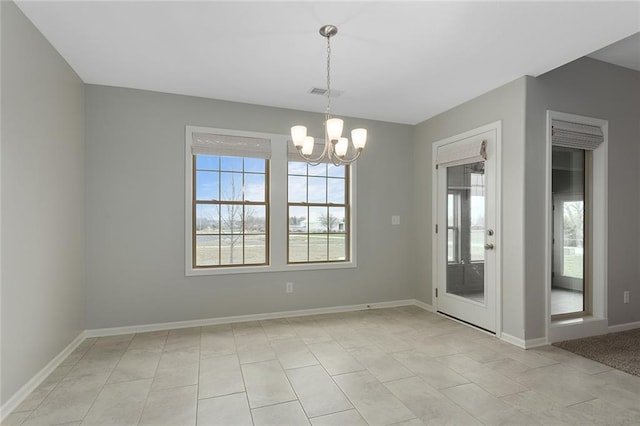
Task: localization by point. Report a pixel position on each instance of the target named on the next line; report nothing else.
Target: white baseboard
(102, 332)
(17, 398)
(425, 306)
(516, 341)
(623, 327)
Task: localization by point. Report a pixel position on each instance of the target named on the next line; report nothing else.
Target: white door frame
(497, 127)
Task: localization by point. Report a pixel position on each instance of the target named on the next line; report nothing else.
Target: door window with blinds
(230, 200)
(572, 147)
(317, 210)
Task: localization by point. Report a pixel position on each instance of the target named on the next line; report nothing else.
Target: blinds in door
(576, 135)
(470, 151)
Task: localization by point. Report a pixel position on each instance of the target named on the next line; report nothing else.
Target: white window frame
(596, 322)
(278, 226)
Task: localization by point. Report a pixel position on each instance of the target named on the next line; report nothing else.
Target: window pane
(207, 162)
(317, 190)
(477, 217)
(255, 219)
(297, 168)
(451, 208)
(254, 188)
(207, 186)
(207, 250)
(451, 238)
(318, 245)
(231, 216)
(256, 165)
(255, 249)
(573, 237)
(319, 170)
(337, 219)
(335, 171)
(231, 249)
(298, 246)
(231, 164)
(231, 186)
(337, 247)
(318, 217)
(297, 189)
(207, 219)
(298, 221)
(336, 191)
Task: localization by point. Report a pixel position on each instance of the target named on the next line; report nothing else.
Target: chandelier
(335, 146)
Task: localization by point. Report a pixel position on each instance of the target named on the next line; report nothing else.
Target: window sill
(576, 328)
(190, 272)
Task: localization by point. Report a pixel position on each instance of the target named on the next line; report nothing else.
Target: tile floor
(400, 366)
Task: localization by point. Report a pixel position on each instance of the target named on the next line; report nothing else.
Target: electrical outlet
(395, 219)
(289, 287)
(626, 296)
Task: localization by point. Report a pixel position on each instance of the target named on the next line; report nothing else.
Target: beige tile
(334, 358)
(266, 384)
(278, 329)
(343, 418)
(382, 365)
(175, 406)
(217, 341)
(152, 341)
(317, 392)
(176, 377)
(177, 359)
(494, 383)
(475, 400)
(293, 354)
(509, 418)
(286, 414)
(224, 411)
(183, 339)
(35, 398)
(428, 404)
(135, 364)
(219, 376)
(459, 363)
(372, 399)
(563, 384)
(351, 339)
(531, 402)
(119, 404)
(69, 401)
(436, 374)
(256, 352)
(16, 418)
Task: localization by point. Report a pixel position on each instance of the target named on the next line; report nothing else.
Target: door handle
(488, 246)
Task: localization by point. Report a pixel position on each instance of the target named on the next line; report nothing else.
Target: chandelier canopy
(335, 146)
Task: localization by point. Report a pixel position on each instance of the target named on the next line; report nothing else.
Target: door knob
(488, 246)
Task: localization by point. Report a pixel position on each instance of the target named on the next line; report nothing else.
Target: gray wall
(596, 89)
(42, 201)
(135, 215)
(507, 103)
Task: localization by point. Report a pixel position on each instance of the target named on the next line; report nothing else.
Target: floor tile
(135, 364)
(317, 392)
(175, 406)
(382, 365)
(266, 384)
(175, 377)
(494, 383)
(119, 404)
(219, 376)
(152, 341)
(286, 414)
(372, 399)
(475, 400)
(436, 374)
(293, 354)
(349, 417)
(334, 358)
(224, 411)
(16, 418)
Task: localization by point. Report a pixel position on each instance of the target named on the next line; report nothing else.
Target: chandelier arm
(342, 161)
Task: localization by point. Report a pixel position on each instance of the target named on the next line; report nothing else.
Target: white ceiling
(395, 61)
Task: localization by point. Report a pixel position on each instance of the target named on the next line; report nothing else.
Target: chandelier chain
(328, 76)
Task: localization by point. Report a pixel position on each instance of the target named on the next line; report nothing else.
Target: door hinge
(436, 292)
(436, 228)
(436, 167)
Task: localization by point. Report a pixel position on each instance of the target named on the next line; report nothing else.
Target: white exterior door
(466, 243)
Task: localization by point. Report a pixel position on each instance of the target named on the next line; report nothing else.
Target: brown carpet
(618, 350)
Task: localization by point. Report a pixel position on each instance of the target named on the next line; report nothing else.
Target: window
(252, 205)
(230, 209)
(577, 225)
(453, 227)
(317, 211)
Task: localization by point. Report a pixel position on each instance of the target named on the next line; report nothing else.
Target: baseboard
(576, 329)
(423, 305)
(17, 398)
(102, 332)
(623, 327)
